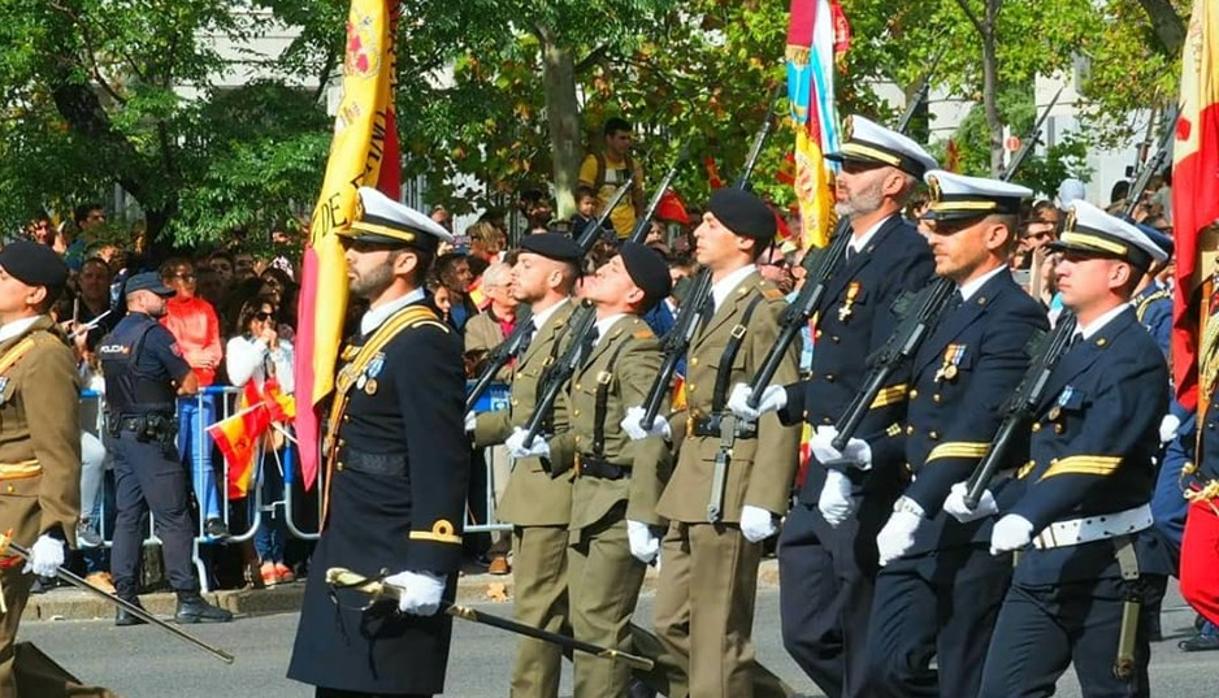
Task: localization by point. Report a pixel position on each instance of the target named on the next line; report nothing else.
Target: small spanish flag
(238, 437)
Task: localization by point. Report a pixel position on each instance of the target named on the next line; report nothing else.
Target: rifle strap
(604, 379)
(724, 374)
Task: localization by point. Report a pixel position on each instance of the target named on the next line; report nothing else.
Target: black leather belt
(709, 425)
(372, 463)
(590, 466)
(139, 423)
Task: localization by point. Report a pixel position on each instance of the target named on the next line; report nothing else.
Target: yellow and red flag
(364, 152)
(1195, 208)
(817, 36)
(238, 438)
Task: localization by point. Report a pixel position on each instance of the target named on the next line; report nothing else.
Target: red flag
(237, 437)
(952, 156)
(671, 208)
(713, 173)
(783, 231)
(787, 170)
(1195, 199)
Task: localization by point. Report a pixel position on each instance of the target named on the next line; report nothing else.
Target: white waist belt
(1092, 528)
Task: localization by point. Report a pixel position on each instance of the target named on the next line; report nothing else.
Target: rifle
(1030, 139)
(503, 352)
(1153, 165)
(924, 312)
(582, 322)
(677, 340)
(1020, 408)
(920, 95)
(821, 268)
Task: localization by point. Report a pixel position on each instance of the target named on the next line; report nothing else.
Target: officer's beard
(866, 201)
(372, 284)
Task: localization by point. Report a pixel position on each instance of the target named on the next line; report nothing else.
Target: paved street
(145, 663)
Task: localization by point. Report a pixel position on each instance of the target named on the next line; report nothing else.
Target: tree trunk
(990, 86)
(1168, 27)
(563, 118)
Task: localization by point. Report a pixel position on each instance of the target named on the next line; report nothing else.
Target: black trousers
(941, 604)
(146, 480)
(1043, 629)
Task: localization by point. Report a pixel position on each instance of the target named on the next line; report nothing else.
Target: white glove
(858, 453)
(1012, 532)
(954, 505)
(897, 536)
(630, 424)
(517, 448)
(421, 592)
(773, 399)
(644, 544)
(1168, 427)
(46, 555)
(836, 503)
(471, 420)
(757, 523)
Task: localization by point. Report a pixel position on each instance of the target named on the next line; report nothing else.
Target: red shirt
(193, 322)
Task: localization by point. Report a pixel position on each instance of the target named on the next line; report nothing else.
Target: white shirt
(857, 243)
(247, 360)
(373, 318)
(969, 288)
(605, 324)
(1100, 322)
(16, 327)
(721, 289)
(539, 318)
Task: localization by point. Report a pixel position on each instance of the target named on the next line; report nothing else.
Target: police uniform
(1085, 501)
(705, 594)
(398, 466)
(826, 573)
(142, 362)
(939, 594)
(39, 438)
(537, 499)
(616, 480)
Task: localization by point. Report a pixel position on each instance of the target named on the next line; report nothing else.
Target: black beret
(743, 213)
(556, 246)
(33, 264)
(648, 270)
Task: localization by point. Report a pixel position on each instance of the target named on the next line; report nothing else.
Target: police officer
(939, 589)
(537, 500)
(39, 431)
(145, 373)
(617, 482)
(827, 551)
(398, 467)
(1084, 507)
(705, 594)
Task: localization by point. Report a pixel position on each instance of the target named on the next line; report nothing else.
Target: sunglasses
(263, 316)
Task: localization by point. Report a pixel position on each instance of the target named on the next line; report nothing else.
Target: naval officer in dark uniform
(1084, 508)
(398, 465)
(827, 550)
(939, 589)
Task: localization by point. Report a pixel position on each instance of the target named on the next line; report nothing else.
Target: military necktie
(589, 342)
(706, 312)
(527, 337)
(956, 301)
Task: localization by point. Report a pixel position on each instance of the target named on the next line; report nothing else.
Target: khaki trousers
(539, 578)
(16, 593)
(704, 612)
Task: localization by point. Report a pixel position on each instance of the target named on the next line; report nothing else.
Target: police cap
(147, 281)
(648, 270)
(743, 213)
(33, 264)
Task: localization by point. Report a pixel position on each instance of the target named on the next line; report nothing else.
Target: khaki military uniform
(615, 481)
(708, 576)
(539, 508)
(39, 462)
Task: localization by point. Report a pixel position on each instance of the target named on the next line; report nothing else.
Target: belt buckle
(579, 465)
(690, 421)
(604, 378)
(738, 331)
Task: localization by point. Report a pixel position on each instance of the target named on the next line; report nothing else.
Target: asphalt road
(142, 662)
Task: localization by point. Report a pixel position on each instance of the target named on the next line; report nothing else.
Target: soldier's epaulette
(771, 293)
(644, 333)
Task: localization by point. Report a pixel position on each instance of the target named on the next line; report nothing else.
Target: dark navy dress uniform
(398, 466)
(141, 362)
(1153, 308)
(941, 598)
(826, 573)
(1087, 487)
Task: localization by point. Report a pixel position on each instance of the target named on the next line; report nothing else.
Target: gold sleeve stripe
(21, 470)
(1025, 469)
(959, 449)
(442, 532)
(1101, 466)
(890, 396)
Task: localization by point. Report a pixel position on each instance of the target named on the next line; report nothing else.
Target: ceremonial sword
(343, 578)
(7, 544)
